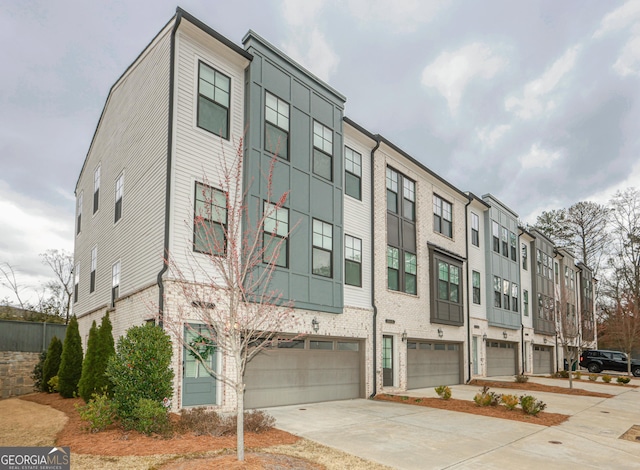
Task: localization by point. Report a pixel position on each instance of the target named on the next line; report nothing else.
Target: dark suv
(597, 360)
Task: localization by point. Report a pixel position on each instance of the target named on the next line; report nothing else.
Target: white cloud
(451, 72)
(628, 62)
(536, 96)
(307, 45)
(490, 136)
(399, 16)
(539, 158)
(619, 18)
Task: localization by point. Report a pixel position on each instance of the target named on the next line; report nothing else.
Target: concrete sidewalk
(412, 437)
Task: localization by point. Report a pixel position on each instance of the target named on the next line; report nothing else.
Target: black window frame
(449, 311)
(321, 152)
(352, 259)
(76, 282)
(475, 229)
(96, 188)
(513, 244)
(439, 219)
(227, 108)
(497, 292)
(393, 268)
(94, 267)
(79, 212)
(506, 294)
(200, 219)
(351, 175)
(495, 236)
(115, 282)
(525, 302)
(268, 144)
(505, 241)
(119, 193)
(514, 297)
(477, 297)
(318, 249)
(524, 255)
(269, 237)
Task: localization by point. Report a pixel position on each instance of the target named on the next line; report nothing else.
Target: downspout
(373, 277)
(167, 199)
(522, 347)
(466, 244)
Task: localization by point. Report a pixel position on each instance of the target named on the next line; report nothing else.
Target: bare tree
(568, 329)
(8, 280)
(61, 288)
(621, 327)
(231, 293)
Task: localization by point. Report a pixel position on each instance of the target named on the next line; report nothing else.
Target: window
(475, 278)
(352, 173)
(79, 212)
(523, 249)
(505, 294)
(76, 282)
(495, 230)
(213, 101)
(525, 301)
(393, 268)
(514, 297)
(96, 189)
(514, 246)
(571, 279)
(94, 264)
(505, 242)
(115, 283)
(410, 273)
(448, 282)
(392, 190)
(408, 198)
(352, 261)
(446, 290)
(539, 261)
(119, 190)
(275, 235)
(210, 220)
(276, 126)
(442, 216)
(497, 292)
(322, 248)
(475, 229)
(322, 150)
(566, 276)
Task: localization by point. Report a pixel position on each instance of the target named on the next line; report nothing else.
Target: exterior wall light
(404, 336)
(504, 334)
(440, 332)
(484, 337)
(315, 324)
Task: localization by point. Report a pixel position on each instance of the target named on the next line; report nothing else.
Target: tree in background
(60, 288)
(71, 362)
(87, 383)
(230, 294)
(51, 363)
(621, 328)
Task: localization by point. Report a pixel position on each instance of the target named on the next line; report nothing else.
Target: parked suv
(597, 360)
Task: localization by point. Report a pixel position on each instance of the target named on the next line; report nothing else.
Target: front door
(387, 361)
(199, 387)
(475, 356)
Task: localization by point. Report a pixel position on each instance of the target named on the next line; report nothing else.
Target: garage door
(432, 364)
(305, 371)
(501, 358)
(542, 359)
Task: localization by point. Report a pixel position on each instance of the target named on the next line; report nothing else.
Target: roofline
(473, 197)
(501, 203)
(524, 230)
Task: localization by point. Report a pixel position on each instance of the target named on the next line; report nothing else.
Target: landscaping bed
(465, 406)
(536, 387)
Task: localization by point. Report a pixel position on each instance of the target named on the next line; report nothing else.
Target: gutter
(373, 278)
(167, 200)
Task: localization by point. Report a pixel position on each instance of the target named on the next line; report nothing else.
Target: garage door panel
(501, 358)
(291, 376)
(429, 367)
(542, 360)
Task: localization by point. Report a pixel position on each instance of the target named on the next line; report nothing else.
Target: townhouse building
(398, 279)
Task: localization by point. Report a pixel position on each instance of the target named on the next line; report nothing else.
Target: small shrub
(52, 384)
(578, 375)
(593, 377)
(564, 374)
(606, 378)
(36, 374)
(486, 398)
(623, 380)
(418, 400)
(509, 401)
(98, 412)
(254, 421)
(522, 379)
(531, 406)
(151, 417)
(404, 398)
(443, 392)
(200, 422)
(51, 364)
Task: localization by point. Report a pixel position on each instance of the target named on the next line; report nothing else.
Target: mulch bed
(536, 387)
(465, 406)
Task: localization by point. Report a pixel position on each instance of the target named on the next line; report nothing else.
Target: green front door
(199, 387)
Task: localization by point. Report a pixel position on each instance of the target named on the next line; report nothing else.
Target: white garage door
(501, 358)
(542, 359)
(305, 371)
(432, 364)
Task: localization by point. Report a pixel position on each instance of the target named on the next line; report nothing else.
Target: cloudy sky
(536, 102)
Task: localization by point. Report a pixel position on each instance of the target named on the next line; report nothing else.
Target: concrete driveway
(412, 437)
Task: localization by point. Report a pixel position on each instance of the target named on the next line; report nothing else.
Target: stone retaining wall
(15, 372)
